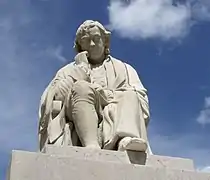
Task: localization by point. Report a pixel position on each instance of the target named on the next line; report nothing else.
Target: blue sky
(169, 46)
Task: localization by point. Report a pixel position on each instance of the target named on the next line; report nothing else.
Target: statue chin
(96, 59)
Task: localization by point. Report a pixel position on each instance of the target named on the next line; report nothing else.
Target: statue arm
(63, 85)
(57, 90)
(60, 86)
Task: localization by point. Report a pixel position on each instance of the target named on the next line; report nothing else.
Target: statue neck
(97, 61)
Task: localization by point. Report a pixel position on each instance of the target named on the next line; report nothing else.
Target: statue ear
(107, 40)
(77, 47)
(107, 43)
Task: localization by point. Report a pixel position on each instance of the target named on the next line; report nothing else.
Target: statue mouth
(95, 54)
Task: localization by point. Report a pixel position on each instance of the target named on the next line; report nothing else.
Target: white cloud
(142, 19)
(204, 115)
(200, 10)
(56, 53)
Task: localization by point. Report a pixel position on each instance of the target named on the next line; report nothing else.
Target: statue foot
(93, 146)
(133, 144)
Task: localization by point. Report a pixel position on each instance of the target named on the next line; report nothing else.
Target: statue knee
(82, 89)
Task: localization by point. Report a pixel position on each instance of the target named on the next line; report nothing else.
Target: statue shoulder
(65, 69)
(116, 60)
(129, 67)
(61, 74)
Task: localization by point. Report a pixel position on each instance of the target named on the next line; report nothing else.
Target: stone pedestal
(76, 163)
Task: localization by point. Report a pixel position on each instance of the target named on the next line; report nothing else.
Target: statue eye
(84, 40)
(96, 38)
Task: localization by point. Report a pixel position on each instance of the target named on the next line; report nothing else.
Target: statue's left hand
(106, 95)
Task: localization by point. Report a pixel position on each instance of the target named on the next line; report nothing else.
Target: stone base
(59, 164)
(88, 154)
(121, 157)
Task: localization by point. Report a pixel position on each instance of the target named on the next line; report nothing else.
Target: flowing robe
(120, 119)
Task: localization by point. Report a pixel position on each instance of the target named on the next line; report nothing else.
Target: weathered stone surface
(160, 161)
(39, 166)
(122, 157)
(88, 154)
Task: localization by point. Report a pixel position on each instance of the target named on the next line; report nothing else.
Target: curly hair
(83, 29)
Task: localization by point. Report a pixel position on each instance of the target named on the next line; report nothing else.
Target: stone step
(39, 166)
(121, 157)
(88, 154)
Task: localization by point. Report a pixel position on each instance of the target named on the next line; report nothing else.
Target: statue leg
(132, 124)
(128, 130)
(84, 114)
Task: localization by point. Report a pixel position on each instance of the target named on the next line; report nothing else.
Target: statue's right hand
(81, 61)
(82, 58)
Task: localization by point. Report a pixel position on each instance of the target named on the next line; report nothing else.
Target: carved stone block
(39, 166)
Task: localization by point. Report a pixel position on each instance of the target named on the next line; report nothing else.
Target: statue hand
(106, 95)
(97, 87)
(82, 62)
(81, 58)
(109, 94)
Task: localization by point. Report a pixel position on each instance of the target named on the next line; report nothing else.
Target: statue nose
(92, 43)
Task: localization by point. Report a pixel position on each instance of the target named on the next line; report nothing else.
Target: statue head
(92, 37)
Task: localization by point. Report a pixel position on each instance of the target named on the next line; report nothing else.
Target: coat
(121, 77)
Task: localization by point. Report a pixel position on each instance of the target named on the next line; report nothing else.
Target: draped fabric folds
(126, 115)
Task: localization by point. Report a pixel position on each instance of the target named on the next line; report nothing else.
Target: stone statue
(96, 101)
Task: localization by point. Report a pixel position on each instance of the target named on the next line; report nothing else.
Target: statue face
(93, 43)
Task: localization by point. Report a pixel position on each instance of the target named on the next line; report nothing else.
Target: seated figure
(96, 101)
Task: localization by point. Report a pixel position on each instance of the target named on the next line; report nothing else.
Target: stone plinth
(121, 157)
(88, 154)
(56, 166)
